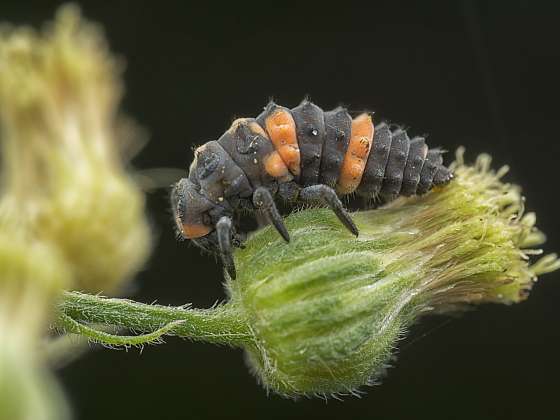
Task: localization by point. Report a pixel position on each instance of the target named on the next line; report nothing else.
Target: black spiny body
(302, 154)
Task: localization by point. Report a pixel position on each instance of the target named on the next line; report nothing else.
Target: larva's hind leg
(326, 195)
(263, 201)
(224, 233)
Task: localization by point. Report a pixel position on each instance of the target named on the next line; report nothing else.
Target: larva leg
(223, 230)
(262, 220)
(326, 195)
(263, 201)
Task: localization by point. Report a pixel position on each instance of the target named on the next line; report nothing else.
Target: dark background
(481, 74)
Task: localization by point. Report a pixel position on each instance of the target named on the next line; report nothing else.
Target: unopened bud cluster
(70, 216)
(327, 309)
(59, 125)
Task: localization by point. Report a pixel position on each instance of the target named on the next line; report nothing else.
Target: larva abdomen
(374, 172)
(396, 164)
(416, 156)
(338, 128)
(310, 129)
(308, 146)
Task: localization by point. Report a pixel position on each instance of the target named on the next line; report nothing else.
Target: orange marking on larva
(290, 156)
(356, 155)
(281, 129)
(191, 231)
(257, 129)
(199, 150)
(356, 170)
(275, 167)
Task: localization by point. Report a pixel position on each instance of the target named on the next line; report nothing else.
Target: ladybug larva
(299, 155)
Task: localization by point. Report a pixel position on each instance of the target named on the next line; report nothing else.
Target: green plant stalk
(323, 314)
(220, 325)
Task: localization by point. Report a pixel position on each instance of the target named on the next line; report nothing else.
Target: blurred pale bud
(60, 128)
(70, 215)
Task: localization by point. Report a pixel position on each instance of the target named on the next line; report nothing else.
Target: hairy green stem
(219, 325)
(75, 327)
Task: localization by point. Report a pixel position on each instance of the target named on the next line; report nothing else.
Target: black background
(480, 74)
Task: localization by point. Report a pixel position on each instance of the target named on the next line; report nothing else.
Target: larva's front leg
(264, 202)
(224, 234)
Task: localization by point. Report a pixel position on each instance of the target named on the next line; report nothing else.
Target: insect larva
(302, 154)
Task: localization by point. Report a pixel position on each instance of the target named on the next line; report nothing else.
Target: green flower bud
(59, 92)
(327, 309)
(322, 314)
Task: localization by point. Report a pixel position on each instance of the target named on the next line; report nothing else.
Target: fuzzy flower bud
(59, 92)
(70, 216)
(327, 309)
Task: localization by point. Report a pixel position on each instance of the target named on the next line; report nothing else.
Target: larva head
(191, 210)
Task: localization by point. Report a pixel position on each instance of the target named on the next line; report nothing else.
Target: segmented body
(305, 154)
(308, 146)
